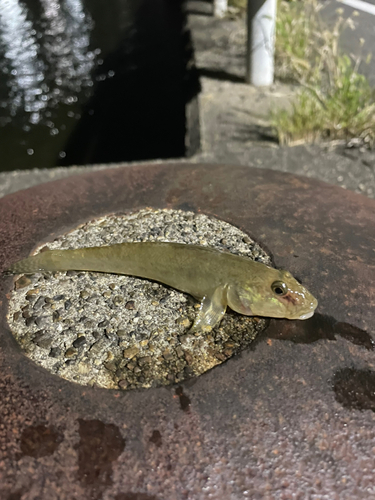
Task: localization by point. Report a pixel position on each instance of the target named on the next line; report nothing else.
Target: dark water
(320, 326)
(353, 387)
(93, 81)
(184, 400)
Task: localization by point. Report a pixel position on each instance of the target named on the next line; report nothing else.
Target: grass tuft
(336, 102)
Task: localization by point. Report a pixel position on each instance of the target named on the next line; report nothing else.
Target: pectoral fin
(239, 300)
(212, 310)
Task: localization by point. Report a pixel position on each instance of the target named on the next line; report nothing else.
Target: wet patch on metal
(99, 445)
(319, 327)
(39, 441)
(121, 332)
(134, 496)
(355, 388)
(292, 416)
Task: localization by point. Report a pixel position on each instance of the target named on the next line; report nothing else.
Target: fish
(216, 278)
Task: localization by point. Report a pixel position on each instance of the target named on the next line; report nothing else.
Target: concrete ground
(235, 125)
(234, 118)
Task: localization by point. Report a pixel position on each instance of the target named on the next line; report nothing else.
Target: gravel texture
(122, 332)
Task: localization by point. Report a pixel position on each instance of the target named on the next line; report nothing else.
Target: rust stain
(39, 441)
(99, 446)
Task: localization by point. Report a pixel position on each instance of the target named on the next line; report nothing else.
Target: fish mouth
(307, 315)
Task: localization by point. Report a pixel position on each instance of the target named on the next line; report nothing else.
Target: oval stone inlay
(122, 332)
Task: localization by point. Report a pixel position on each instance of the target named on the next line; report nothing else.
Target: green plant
(297, 44)
(239, 4)
(336, 102)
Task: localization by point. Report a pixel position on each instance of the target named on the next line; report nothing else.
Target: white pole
(261, 18)
(220, 8)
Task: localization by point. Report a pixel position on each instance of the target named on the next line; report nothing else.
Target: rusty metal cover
(290, 418)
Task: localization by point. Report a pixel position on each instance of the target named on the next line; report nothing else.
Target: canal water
(90, 81)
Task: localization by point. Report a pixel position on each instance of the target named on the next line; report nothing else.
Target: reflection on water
(21, 62)
(67, 39)
(46, 67)
(88, 82)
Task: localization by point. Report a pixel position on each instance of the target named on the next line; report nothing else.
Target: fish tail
(50, 260)
(100, 259)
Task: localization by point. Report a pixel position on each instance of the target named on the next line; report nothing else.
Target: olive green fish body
(195, 270)
(218, 278)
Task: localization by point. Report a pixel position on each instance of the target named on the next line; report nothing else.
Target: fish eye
(279, 288)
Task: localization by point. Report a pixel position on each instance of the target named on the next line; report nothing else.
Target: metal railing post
(261, 23)
(220, 8)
